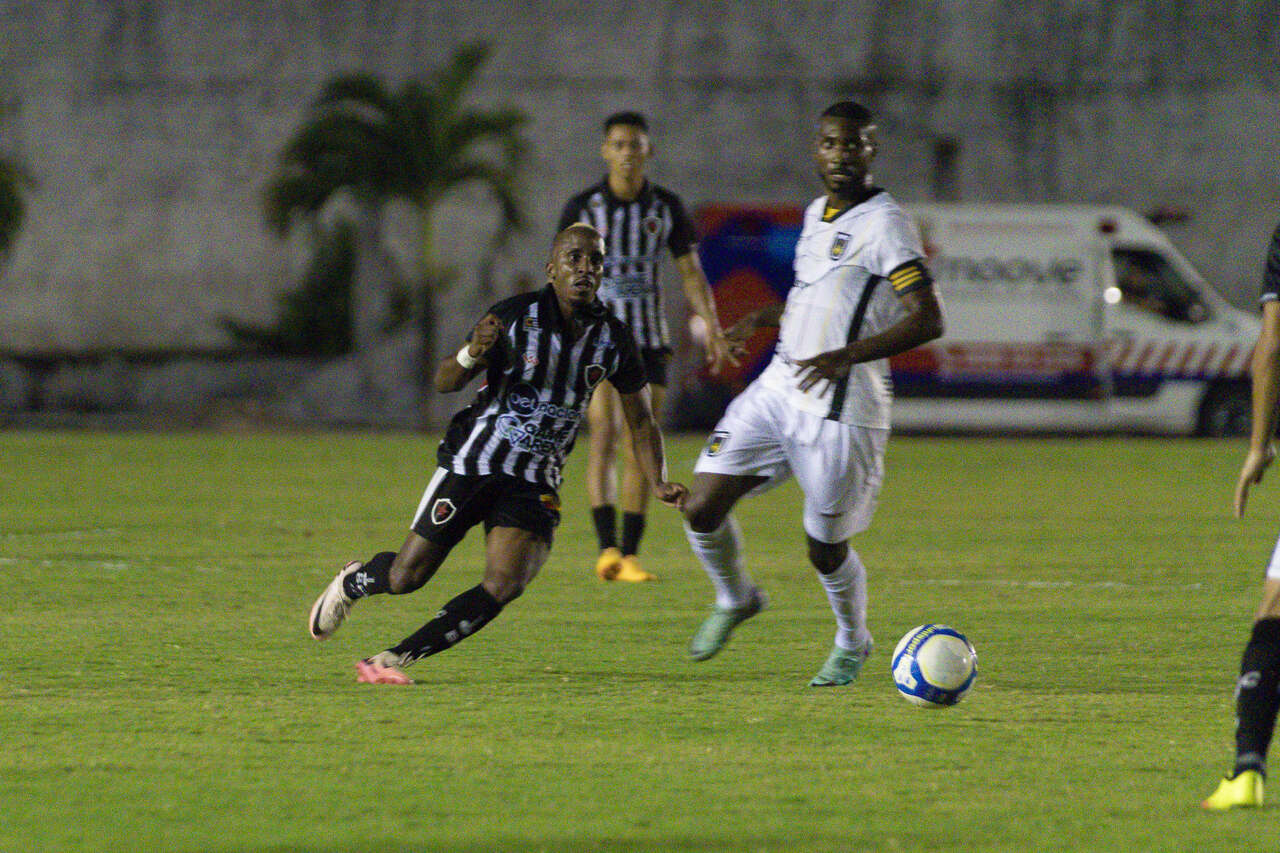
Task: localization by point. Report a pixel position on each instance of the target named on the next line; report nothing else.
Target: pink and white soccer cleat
(381, 669)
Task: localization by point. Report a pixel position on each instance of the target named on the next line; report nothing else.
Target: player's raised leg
(840, 474)
(512, 559)
(716, 541)
(1257, 702)
(396, 573)
(844, 579)
(385, 572)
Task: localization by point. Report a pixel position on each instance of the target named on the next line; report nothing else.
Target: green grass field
(158, 690)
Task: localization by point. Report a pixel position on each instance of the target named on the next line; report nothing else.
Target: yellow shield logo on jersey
(838, 245)
(716, 442)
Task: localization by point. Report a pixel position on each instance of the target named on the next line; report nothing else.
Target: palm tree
(418, 143)
(12, 207)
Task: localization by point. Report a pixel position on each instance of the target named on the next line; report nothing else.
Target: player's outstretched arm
(646, 439)
(740, 332)
(922, 324)
(698, 291)
(455, 371)
(1265, 371)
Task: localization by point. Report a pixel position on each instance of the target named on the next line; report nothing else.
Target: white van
(1071, 317)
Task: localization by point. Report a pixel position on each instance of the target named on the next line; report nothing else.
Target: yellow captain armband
(912, 275)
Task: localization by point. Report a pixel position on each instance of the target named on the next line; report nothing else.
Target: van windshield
(1148, 282)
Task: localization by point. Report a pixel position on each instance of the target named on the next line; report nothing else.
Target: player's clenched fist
(671, 494)
(484, 335)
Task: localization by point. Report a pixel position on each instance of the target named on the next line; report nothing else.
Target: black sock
(456, 621)
(1256, 696)
(606, 522)
(632, 530)
(371, 578)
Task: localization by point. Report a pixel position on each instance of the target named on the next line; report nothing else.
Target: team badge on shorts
(442, 510)
(593, 374)
(716, 442)
(838, 245)
(550, 502)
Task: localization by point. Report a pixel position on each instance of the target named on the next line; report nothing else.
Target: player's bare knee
(827, 557)
(402, 578)
(504, 588)
(703, 515)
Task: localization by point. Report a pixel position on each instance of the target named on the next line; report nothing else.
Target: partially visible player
(542, 355)
(1258, 690)
(820, 410)
(640, 221)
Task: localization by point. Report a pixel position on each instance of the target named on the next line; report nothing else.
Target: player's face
(626, 150)
(575, 269)
(843, 152)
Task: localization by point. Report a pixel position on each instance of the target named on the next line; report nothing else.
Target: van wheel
(1225, 411)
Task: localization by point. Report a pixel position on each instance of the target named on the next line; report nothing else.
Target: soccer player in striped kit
(1258, 689)
(820, 410)
(542, 355)
(640, 221)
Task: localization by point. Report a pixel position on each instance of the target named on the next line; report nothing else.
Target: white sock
(720, 553)
(847, 591)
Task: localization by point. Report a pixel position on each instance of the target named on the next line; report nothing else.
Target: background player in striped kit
(820, 410)
(639, 220)
(500, 462)
(1258, 690)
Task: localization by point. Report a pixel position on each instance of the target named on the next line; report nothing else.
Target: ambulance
(1071, 318)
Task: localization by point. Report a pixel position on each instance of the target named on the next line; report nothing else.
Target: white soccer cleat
(333, 605)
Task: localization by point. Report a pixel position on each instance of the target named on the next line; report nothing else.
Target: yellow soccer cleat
(632, 573)
(608, 564)
(1244, 790)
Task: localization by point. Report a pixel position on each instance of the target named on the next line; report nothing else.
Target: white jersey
(841, 294)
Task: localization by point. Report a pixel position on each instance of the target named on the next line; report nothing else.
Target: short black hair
(630, 118)
(850, 111)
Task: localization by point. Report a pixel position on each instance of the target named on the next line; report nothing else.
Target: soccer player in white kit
(820, 410)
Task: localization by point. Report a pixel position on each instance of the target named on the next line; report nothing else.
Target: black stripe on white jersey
(855, 327)
(484, 432)
(632, 251)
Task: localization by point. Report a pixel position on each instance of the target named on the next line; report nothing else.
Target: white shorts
(839, 467)
(1273, 567)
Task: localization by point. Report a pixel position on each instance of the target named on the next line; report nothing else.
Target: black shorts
(655, 365)
(455, 503)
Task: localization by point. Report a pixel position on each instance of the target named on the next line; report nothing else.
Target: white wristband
(466, 359)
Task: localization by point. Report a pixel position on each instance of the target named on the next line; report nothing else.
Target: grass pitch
(158, 690)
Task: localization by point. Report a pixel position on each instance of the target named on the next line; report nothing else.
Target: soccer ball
(934, 666)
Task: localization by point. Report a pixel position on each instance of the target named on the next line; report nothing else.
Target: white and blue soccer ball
(934, 666)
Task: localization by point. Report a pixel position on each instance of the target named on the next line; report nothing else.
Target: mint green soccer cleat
(842, 667)
(715, 630)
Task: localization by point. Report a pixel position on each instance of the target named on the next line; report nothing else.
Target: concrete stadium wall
(150, 126)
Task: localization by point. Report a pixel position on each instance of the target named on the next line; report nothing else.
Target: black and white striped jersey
(635, 233)
(1271, 272)
(525, 418)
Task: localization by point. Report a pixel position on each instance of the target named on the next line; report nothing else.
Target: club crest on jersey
(652, 225)
(531, 359)
(530, 323)
(716, 442)
(839, 244)
(593, 374)
(442, 510)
